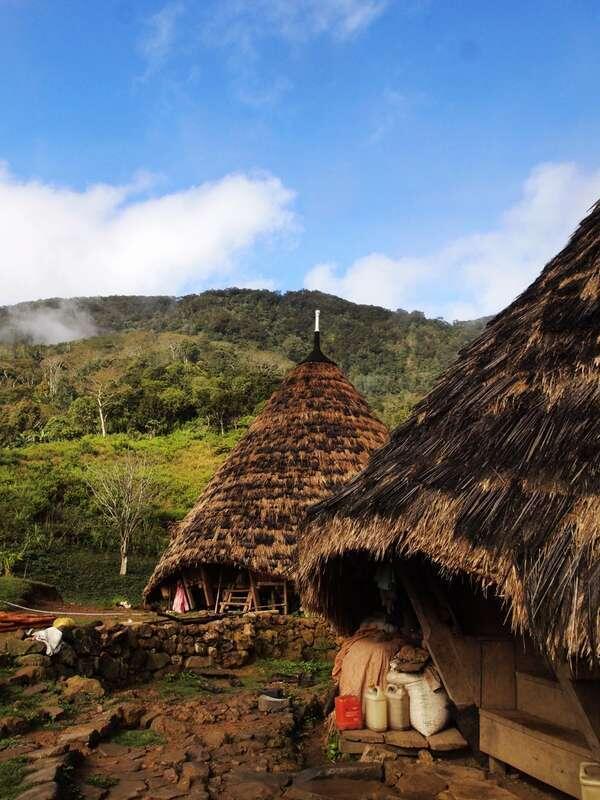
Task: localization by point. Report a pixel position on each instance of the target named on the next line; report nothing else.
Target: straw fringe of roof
(497, 472)
(315, 433)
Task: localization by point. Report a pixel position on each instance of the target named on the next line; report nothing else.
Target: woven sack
(429, 706)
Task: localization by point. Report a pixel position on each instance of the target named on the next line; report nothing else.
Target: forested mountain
(149, 365)
(92, 383)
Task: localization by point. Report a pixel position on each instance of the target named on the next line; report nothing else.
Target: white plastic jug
(376, 711)
(589, 778)
(398, 706)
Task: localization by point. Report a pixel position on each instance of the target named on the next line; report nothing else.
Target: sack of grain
(429, 702)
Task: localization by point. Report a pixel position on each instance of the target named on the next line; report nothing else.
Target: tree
(123, 493)
(103, 400)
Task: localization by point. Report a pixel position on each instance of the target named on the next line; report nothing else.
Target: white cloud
(106, 239)
(370, 279)
(477, 274)
(158, 37)
(296, 21)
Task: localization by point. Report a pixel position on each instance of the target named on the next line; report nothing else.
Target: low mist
(36, 323)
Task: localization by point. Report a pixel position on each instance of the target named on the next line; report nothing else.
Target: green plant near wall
(12, 775)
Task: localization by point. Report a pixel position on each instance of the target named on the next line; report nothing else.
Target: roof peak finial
(317, 355)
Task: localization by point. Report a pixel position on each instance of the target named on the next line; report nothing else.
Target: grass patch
(138, 738)
(8, 743)
(15, 704)
(92, 577)
(12, 773)
(102, 781)
(184, 684)
(319, 671)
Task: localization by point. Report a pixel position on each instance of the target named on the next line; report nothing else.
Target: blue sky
(409, 153)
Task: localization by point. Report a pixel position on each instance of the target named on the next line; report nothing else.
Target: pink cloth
(181, 603)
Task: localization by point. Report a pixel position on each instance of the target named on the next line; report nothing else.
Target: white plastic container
(376, 709)
(589, 778)
(398, 703)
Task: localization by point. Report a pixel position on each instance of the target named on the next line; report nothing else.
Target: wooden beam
(584, 699)
(450, 652)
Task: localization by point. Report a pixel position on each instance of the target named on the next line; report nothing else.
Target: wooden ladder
(237, 599)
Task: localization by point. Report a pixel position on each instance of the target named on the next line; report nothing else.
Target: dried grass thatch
(497, 472)
(315, 433)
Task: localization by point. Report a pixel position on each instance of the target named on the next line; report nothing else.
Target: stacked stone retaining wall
(121, 655)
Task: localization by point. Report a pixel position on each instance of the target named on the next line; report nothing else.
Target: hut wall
(530, 715)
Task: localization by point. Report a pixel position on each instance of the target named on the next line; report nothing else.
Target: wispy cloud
(159, 36)
(243, 29)
(107, 239)
(391, 108)
(296, 21)
(477, 274)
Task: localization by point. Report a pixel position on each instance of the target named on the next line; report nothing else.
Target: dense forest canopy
(156, 363)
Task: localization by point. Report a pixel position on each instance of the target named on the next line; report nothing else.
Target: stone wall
(122, 655)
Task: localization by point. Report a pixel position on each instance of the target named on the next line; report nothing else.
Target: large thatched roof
(315, 433)
(497, 472)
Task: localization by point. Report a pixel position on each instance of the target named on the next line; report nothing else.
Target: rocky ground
(205, 736)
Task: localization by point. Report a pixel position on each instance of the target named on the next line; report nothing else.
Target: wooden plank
(539, 749)
(584, 699)
(349, 747)
(450, 652)
(364, 735)
(411, 739)
(498, 681)
(544, 698)
(447, 740)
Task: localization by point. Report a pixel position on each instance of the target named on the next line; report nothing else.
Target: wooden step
(404, 742)
(546, 751)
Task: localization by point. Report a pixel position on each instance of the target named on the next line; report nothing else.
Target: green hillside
(175, 382)
(158, 363)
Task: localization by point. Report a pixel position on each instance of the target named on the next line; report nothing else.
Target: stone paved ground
(211, 741)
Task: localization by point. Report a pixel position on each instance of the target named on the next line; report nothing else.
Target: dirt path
(207, 739)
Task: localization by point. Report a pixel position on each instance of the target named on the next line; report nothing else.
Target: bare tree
(123, 492)
(103, 393)
(52, 372)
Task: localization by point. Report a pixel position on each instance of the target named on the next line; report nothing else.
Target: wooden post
(206, 588)
(285, 597)
(450, 653)
(219, 589)
(253, 593)
(584, 698)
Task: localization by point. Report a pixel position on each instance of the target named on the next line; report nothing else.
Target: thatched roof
(315, 433)
(497, 472)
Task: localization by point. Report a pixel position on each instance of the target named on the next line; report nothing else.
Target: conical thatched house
(493, 485)
(238, 544)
